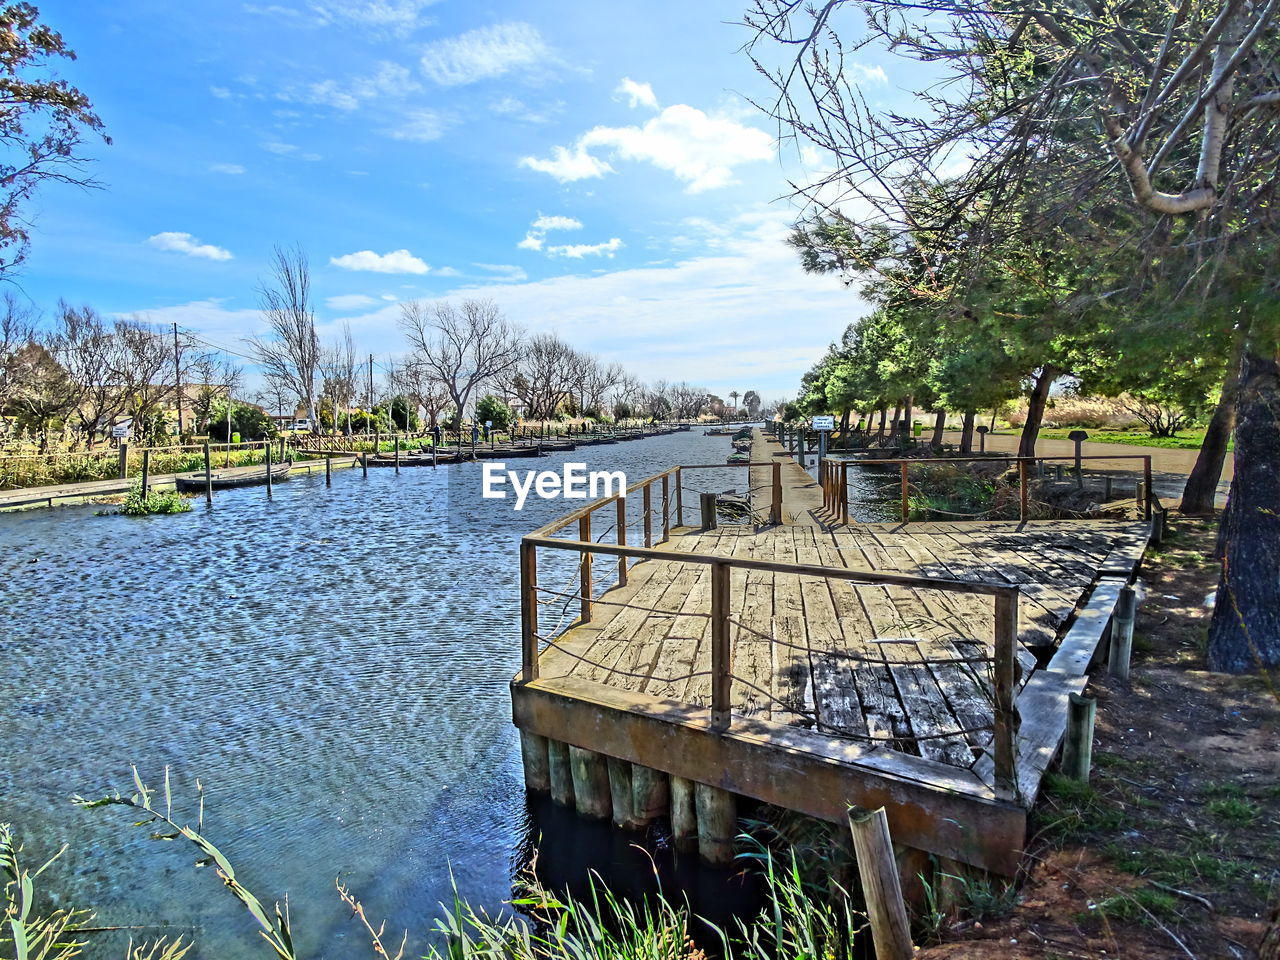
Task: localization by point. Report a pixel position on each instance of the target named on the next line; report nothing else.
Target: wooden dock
(815, 665)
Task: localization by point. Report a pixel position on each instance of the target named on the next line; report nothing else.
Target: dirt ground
(1173, 848)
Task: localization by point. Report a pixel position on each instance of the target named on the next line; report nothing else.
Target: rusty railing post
(528, 611)
(721, 654)
(1023, 492)
(1006, 681)
(647, 499)
(906, 493)
(666, 506)
(1146, 478)
(584, 534)
(622, 540)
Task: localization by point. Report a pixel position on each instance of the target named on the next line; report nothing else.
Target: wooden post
(679, 497)
(528, 611)
(282, 443)
(1107, 483)
(397, 454)
(1006, 680)
(328, 470)
(1140, 493)
(666, 507)
(1024, 492)
(208, 474)
(1122, 634)
(721, 650)
(124, 460)
(537, 769)
(622, 540)
(1146, 482)
(775, 503)
(590, 783)
(906, 494)
(620, 793)
(647, 500)
(364, 464)
(878, 872)
(1057, 471)
(561, 773)
(650, 793)
(584, 534)
(146, 472)
(844, 492)
(684, 821)
(269, 474)
(717, 823)
(708, 502)
(1077, 749)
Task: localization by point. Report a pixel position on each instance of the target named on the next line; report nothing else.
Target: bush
(156, 501)
(490, 407)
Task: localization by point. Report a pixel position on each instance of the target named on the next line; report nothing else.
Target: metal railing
(1004, 597)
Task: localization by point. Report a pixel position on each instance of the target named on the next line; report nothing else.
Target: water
(332, 665)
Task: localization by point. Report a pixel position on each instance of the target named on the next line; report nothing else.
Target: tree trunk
(1245, 631)
(966, 433)
(884, 413)
(1035, 410)
(1202, 484)
(894, 423)
(939, 424)
(844, 428)
(907, 413)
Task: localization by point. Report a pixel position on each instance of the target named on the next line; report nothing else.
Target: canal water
(332, 666)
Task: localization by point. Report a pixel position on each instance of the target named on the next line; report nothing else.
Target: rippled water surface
(332, 664)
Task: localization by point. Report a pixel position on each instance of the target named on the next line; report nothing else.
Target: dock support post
(679, 497)
(775, 504)
(559, 770)
(590, 783)
(1024, 498)
(364, 464)
(124, 460)
(717, 823)
(878, 872)
(584, 534)
(528, 611)
(537, 769)
(650, 794)
(620, 795)
(684, 822)
(622, 540)
(397, 454)
(1106, 489)
(721, 651)
(208, 474)
(1122, 634)
(269, 473)
(1006, 682)
(708, 501)
(1146, 486)
(1077, 750)
(146, 472)
(328, 470)
(666, 507)
(906, 494)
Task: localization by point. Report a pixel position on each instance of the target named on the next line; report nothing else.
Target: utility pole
(369, 408)
(177, 376)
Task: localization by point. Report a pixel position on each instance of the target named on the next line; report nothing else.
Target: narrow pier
(811, 664)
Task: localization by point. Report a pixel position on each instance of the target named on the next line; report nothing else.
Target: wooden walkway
(896, 665)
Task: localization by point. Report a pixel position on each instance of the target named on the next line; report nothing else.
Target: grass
(1233, 810)
(1189, 439)
(136, 504)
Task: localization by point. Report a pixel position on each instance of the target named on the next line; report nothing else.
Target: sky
(594, 168)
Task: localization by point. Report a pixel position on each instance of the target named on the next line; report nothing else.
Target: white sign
(121, 430)
(824, 423)
(488, 424)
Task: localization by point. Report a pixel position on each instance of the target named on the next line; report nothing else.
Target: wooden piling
(620, 793)
(590, 783)
(1077, 749)
(1107, 485)
(1122, 634)
(364, 463)
(124, 460)
(146, 472)
(537, 765)
(650, 794)
(775, 503)
(906, 493)
(208, 474)
(684, 820)
(646, 495)
(268, 465)
(561, 774)
(708, 503)
(584, 534)
(397, 454)
(878, 872)
(666, 507)
(679, 497)
(328, 470)
(717, 823)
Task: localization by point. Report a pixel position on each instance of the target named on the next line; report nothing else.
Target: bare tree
(461, 347)
(43, 392)
(542, 378)
(339, 368)
(87, 350)
(144, 373)
(17, 330)
(290, 353)
(209, 376)
(687, 400)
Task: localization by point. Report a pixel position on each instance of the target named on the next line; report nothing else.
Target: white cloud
(533, 240)
(418, 126)
(229, 168)
(640, 94)
(700, 149)
(176, 242)
(351, 301)
(448, 272)
(577, 251)
(865, 74)
(222, 93)
(275, 146)
(503, 272)
(397, 261)
(567, 166)
(483, 53)
(395, 16)
(388, 81)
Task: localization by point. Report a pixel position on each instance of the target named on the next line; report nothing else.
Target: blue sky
(593, 167)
